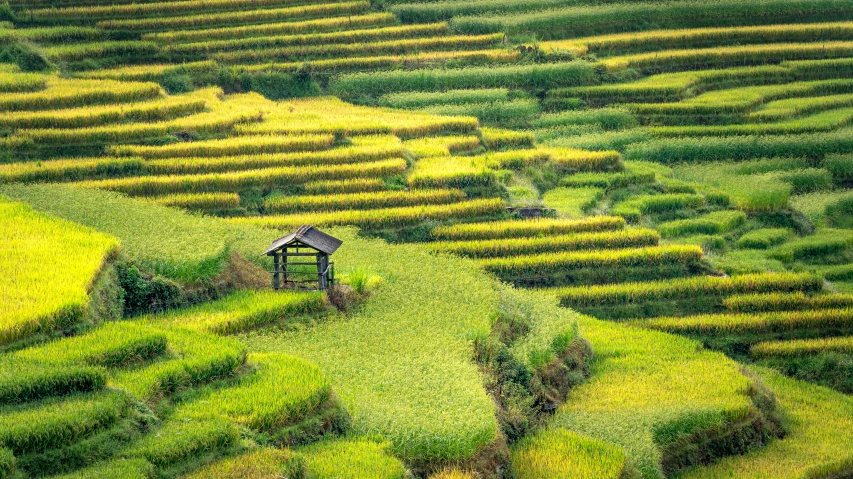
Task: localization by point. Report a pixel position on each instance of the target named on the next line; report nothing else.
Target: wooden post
(321, 272)
(284, 262)
(276, 276)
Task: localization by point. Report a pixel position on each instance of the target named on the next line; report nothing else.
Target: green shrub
(824, 242)
(763, 238)
(840, 167)
(711, 223)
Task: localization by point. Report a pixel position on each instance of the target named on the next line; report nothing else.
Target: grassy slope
(402, 364)
(820, 432)
(647, 389)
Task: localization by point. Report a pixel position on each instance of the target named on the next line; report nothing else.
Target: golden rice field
(581, 239)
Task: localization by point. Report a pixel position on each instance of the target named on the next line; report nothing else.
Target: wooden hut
(291, 259)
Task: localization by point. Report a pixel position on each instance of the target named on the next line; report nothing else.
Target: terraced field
(677, 173)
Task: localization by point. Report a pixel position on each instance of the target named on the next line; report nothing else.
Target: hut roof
(309, 236)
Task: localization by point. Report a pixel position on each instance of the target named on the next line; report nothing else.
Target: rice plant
(685, 288)
(557, 453)
(384, 217)
(624, 258)
(516, 228)
(757, 303)
(516, 246)
(36, 301)
(359, 201)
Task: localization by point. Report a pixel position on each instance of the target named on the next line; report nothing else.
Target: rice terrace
(426, 239)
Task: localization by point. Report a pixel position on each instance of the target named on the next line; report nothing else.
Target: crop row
(267, 29)
(739, 148)
(818, 122)
(630, 257)
(712, 223)
(574, 21)
(244, 145)
(432, 146)
(309, 39)
(219, 120)
(386, 47)
(384, 217)
(331, 115)
(416, 60)
(22, 82)
(150, 110)
(200, 201)
(137, 49)
(672, 60)
(61, 298)
(685, 288)
(361, 201)
(536, 76)
(235, 181)
(700, 38)
(764, 302)
(103, 167)
(70, 93)
(669, 87)
(143, 9)
(780, 321)
(629, 238)
(517, 228)
(802, 347)
(235, 18)
(742, 99)
(787, 108)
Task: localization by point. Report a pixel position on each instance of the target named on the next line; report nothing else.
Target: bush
(763, 238)
(840, 167)
(143, 295)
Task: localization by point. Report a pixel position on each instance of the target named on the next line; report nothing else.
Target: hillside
(581, 239)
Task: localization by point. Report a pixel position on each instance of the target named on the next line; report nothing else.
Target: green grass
(651, 394)
(763, 238)
(174, 244)
(711, 223)
(39, 299)
(440, 414)
(572, 202)
(111, 345)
